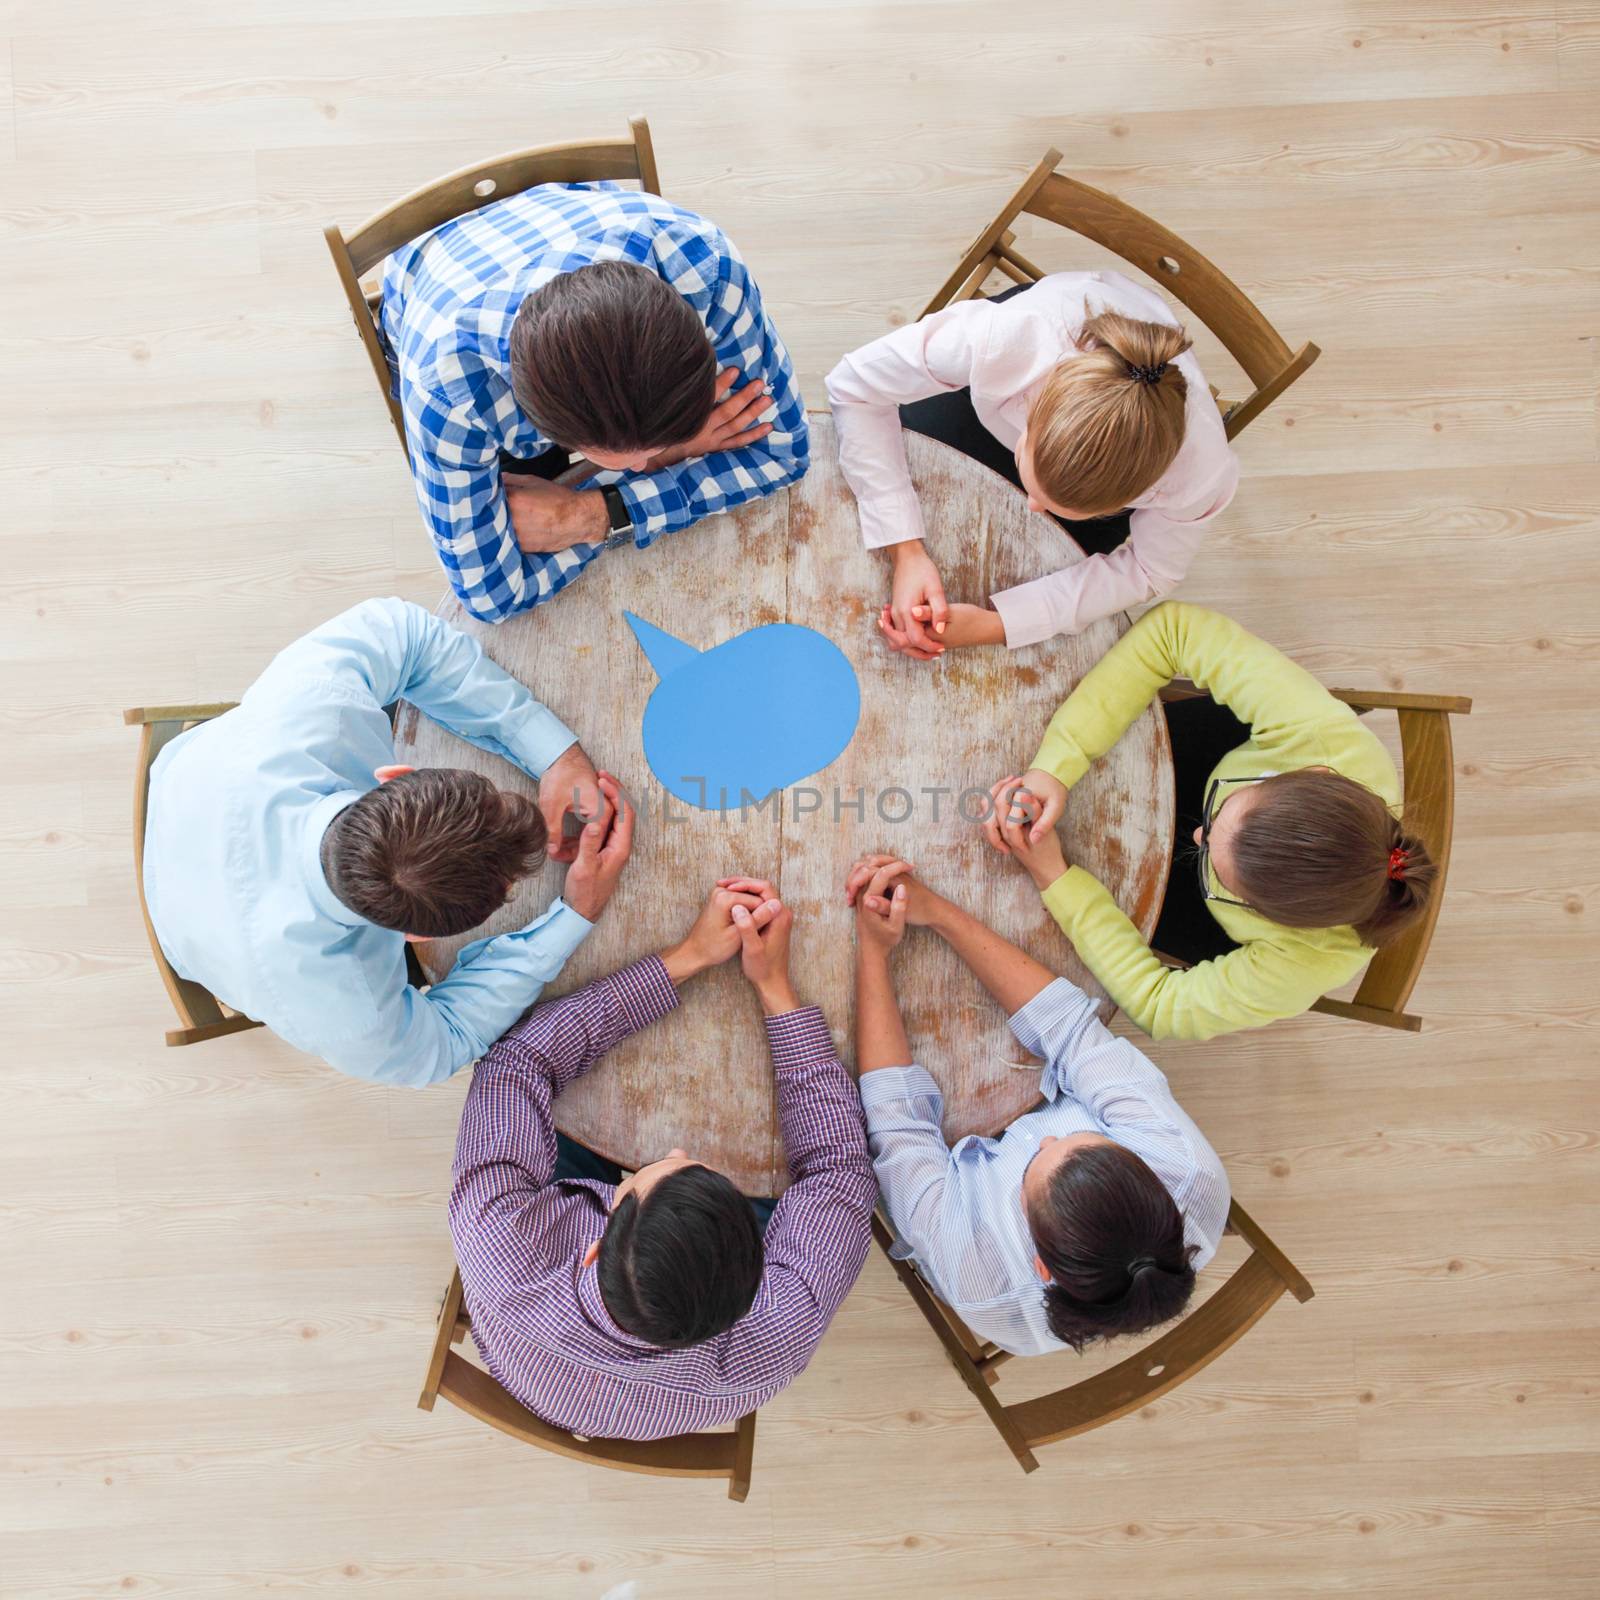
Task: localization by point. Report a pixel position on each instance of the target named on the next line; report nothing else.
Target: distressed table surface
(702, 1078)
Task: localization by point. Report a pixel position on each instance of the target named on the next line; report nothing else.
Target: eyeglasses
(1214, 799)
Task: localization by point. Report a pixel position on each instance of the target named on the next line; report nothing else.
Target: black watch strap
(618, 517)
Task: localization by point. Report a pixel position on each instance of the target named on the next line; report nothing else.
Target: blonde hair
(1109, 421)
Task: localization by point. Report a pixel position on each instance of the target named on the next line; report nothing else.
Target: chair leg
(210, 1030)
(744, 1455)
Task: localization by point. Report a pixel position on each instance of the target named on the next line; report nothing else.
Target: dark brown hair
(432, 852)
(1314, 851)
(609, 357)
(1109, 422)
(1113, 1240)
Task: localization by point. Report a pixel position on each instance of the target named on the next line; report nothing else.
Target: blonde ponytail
(1110, 420)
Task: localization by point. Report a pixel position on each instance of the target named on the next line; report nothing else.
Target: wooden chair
(1213, 297)
(471, 1389)
(421, 211)
(198, 1009)
(1175, 1356)
(1427, 766)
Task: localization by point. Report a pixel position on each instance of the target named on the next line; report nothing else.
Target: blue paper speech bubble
(760, 711)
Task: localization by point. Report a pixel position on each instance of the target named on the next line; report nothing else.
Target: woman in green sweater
(1303, 866)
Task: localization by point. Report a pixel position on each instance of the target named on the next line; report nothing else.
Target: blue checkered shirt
(449, 299)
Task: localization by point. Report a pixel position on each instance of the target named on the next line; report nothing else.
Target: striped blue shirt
(958, 1212)
(449, 300)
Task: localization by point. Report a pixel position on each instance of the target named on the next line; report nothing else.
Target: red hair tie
(1398, 861)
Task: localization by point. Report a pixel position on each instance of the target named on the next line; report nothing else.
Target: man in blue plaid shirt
(581, 318)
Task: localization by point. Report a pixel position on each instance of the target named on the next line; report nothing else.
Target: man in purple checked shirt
(651, 1306)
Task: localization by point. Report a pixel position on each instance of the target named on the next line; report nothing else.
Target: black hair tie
(1150, 375)
(1138, 1264)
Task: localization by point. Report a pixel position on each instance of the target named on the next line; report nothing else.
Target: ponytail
(1113, 1240)
(1110, 421)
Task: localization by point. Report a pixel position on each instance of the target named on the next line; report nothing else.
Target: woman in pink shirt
(1082, 390)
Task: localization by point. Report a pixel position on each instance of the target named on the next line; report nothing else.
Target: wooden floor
(220, 1265)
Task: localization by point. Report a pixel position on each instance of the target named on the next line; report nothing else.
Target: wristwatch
(618, 518)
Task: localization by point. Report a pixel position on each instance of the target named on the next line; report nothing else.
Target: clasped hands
(889, 898)
(743, 917)
(919, 621)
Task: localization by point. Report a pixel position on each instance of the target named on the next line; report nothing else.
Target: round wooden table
(702, 1079)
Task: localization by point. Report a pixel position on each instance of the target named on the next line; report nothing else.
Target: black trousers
(951, 419)
(1202, 734)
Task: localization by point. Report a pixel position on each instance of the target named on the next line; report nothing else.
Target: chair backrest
(1187, 1347)
(202, 1017)
(581, 161)
(1428, 772)
(1188, 276)
(471, 1389)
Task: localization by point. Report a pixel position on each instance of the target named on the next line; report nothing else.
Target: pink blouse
(1003, 354)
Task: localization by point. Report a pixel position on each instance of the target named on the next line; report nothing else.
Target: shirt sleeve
(1262, 981)
(1151, 562)
(817, 1239)
(866, 390)
(506, 1148)
(1287, 709)
(455, 466)
(746, 340)
(421, 1036)
(388, 650)
(913, 1164)
(1128, 1095)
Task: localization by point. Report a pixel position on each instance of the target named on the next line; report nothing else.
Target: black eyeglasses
(1214, 798)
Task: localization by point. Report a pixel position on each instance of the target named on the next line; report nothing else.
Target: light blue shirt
(238, 807)
(958, 1212)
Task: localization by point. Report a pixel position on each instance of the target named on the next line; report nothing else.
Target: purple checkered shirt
(520, 1235)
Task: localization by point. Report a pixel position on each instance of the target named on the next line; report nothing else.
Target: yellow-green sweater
(1294, 723)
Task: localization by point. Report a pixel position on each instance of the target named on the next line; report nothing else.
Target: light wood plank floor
(220, 1265)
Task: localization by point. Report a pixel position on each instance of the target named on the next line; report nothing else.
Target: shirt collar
(328, 904)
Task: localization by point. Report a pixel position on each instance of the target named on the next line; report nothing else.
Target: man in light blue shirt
(1085, 1219)
(251, 812)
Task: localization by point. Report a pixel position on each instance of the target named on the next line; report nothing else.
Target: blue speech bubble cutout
(758, 712)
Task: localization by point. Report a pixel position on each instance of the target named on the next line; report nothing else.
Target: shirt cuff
(1026, 617)
(1069, 896)
(1050, 1008)
(887, 1087)
(891, 519)
(540, 740)
(799, 1038)
(645, 992)
(562, 930)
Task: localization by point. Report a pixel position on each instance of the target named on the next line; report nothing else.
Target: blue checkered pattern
(449, 299)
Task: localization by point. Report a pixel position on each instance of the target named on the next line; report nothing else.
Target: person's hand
(734, 422)
(922, 904)
(967, 625)
(603, 849)
(570, 787)
(916, 583)
(1039, 855)
(1049, 796)
(881, 913)
(545, 517)
(764, 955)
(714, 939)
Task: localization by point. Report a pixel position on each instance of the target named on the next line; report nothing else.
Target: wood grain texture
(929, 734)
(223, 1263)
